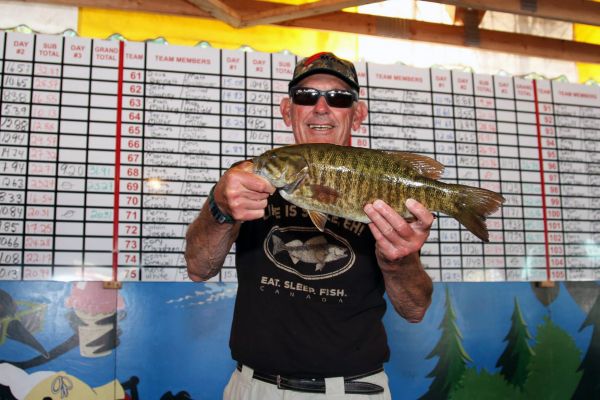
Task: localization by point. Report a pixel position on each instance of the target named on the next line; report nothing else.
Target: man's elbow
(415, 313)
(415, 316)
(199, 276)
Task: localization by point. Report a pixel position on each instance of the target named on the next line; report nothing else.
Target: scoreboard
(109, 149)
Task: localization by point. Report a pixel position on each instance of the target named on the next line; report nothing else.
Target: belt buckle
(279, 382)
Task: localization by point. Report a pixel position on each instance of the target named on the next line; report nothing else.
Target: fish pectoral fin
(324, 194)
(319, 267)
(294, 259)
(319, 219)
(298, 179)
(422, 165)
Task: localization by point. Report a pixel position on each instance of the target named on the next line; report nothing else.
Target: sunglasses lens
(339, 99)
(334, 98)
(305, 97)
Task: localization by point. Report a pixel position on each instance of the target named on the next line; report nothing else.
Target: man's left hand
(395, 237)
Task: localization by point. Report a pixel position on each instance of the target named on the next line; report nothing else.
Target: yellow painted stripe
(588, 34)
(179, 30)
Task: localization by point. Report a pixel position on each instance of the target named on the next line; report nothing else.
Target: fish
(327, 179)
(315, 250)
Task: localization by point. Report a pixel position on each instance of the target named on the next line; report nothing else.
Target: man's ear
(360, 113)
(285, 107)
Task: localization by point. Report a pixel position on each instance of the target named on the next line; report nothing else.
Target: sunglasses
(335, 98)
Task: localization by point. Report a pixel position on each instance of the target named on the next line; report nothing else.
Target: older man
(307, 322)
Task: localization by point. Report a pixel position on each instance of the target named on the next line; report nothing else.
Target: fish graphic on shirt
(315, 250)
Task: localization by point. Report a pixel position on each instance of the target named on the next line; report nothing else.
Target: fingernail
(378, 204)
(410, 202)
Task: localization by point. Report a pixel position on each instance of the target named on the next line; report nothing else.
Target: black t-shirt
(309, 303)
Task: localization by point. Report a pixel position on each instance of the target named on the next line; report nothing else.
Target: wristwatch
(217, 214)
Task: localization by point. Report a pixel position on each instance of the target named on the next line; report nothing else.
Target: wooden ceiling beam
(577, 11)
(460, 13)
(528, 45)
(275, 15)
(219, 10)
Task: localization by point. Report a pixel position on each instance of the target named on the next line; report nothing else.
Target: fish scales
(327, 179)
(349, 173)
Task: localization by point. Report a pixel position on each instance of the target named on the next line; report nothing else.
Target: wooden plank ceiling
(328, 15)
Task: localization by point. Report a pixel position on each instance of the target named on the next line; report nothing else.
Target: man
(307, 320)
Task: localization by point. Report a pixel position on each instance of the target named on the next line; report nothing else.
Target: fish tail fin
(278, 245)
(472, 206)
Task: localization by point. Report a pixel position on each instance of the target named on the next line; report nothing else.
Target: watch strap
(217, 214)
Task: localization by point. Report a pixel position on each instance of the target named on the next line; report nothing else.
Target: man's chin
(321, 137)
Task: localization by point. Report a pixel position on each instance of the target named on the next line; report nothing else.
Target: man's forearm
(408, 286)
(207, 245)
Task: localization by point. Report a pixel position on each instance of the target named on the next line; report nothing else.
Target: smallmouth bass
(327, 179)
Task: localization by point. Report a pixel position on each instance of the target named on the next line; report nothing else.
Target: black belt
(317, 385)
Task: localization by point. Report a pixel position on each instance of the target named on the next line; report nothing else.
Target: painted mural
(152, 341)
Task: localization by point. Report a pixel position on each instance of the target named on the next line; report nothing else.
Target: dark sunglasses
(335, 98)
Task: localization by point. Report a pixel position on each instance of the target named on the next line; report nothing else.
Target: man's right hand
(242, 194)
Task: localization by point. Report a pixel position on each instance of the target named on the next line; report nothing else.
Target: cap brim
(327, 71)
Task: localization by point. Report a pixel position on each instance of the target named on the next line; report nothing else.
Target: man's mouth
(320, 127)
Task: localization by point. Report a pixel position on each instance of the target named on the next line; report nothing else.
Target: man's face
(322, 123)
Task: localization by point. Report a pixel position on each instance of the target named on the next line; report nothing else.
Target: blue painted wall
(174, 336)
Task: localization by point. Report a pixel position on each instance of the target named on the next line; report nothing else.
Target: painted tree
(589, 386)
(514, 361)
(554, 364)
(483, 385)
(452, 357)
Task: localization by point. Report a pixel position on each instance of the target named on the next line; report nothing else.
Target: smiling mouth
(320, 127)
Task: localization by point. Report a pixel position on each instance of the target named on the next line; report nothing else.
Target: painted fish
(315, 250)
(327, 179)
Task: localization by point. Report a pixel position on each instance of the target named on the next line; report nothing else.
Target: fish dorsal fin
(422, 165)
(319, 219)
(324, 194)
(317, 240)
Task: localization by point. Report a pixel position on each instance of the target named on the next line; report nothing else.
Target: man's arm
(408, 286)
(207, 245)
(240, 194)
(398, 243)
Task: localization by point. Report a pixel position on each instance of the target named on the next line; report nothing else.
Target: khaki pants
(242, 386)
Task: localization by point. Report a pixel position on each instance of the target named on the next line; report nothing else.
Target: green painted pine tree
(484, 385)
(452, 357)
(514, 361)
(553, 367)
(589, 386)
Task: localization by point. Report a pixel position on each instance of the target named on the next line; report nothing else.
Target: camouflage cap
(325, 63)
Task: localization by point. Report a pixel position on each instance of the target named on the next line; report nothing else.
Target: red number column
(489, 171)
(554, 229)
(43, 153)
(131, 158)
(14, 137)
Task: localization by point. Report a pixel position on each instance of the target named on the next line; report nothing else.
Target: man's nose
(321, 107)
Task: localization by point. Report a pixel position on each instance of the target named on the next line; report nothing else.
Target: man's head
(323, 106)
